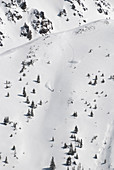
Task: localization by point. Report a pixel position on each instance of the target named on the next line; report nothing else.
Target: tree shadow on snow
(35, 82)
(2, 123)
(46, 169)
(64, 164)
(20, 95)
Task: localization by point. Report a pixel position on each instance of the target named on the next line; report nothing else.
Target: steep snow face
(71, 101)
(46, 5)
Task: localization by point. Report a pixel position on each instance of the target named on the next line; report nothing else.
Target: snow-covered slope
(21, 21)
(76, 74)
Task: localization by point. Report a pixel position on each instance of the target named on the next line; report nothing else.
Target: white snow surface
(75, 63)
(78, 13)
(62, 60)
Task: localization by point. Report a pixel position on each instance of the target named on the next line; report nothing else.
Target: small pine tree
(88, 75)
(52, 164)
(81, 144)
(71, 151)
(7, 95)
(13, 148)
(24, 92)
(23, 5)
(20, 79)
(95, 107)
(28, 113)
(102, 81)
(40, 102)
(74, 162)
(6, 120)
(95, 82)
(27, 100)
(75, 114)
(14, 153)
(65, 146)
(52, 139)
(32, 114)
(90, 82)
(72, 136)
(102, 75)
(38, 79)
(29, 35)
(76, 156)
(6, 160)
(33, 91)
(95, 156)
(24, 95)
(76, 129)
(32, 105)
(14, 125)
(105, 161)
(96, 77)
(68, 161)
(91, 114)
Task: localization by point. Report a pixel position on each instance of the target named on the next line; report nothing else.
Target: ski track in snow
(106, 151)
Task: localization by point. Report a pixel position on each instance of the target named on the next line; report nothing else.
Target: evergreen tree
(65, 146)
(95, 82)
(91, 114)
(52, 164)
(95, 107)
(20, 79)
(14, 125)
(40, 102)
(102, 81)
(29, 35)
(75, 114)
(6, 160)
(76, 156)
(27, 100)
(23, 5)
(76, 129)
(68, 161)
(7, 95)
(32, 105)
(28, 113)
(38, 79)
(105, 161)
(32, 114)
(52, 139)
(81, 144)
(13, 148)
(24, 92)
(95, 156)
(71, 151)
(33, 91)
(6, 120)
